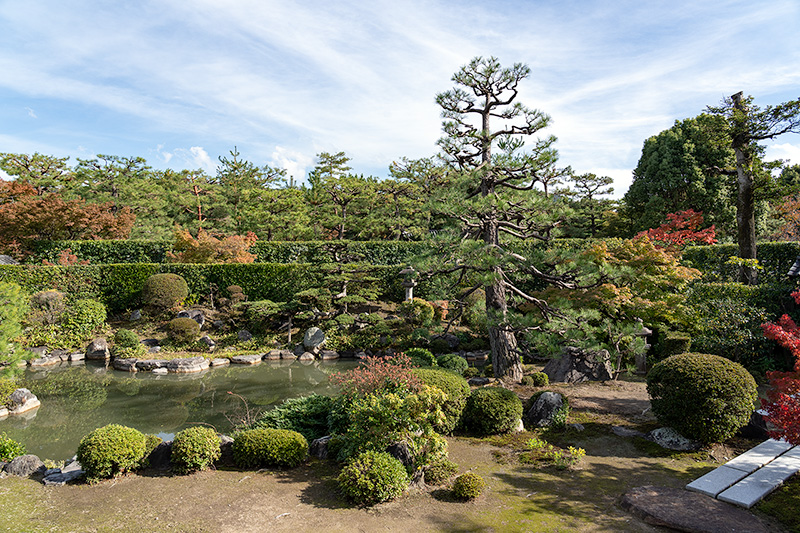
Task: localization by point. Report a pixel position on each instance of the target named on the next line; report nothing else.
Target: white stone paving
(748, 478)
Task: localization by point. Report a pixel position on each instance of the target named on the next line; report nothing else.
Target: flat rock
(188, 365)
(288, 354)
(220, 361)
(691, 512)
(21, 401)
(148, 365)
(47, 360)
(124, 365)
(620, 431)
(160, 371)
(672, 440)
(77, 356)
(272, 355)
(327, 355)
(246, 359)
(478, 382)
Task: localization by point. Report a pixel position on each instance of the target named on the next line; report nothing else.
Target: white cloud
(296, 163)
(194, 158)
(786, 151)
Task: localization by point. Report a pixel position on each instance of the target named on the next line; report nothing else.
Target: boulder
(48, 360)
(151, 342)
(319, 447)
(98, 350)
(306, 356)
(37, 351)
(61, 476)
(188, 365)
(62, 355)
(208, 341)
(21, 401)
(195, 314)
(159, 457)
(136, 314)
(77, 356)
(757, 428)
(246, 359)
(226, 451)
(544, 409)
(244, 335)
(400, 451)
(286, 354)
(25, 466)
(313, 340)
(272, 355)
(125, 365)
(575, 365)
(672, 440)
(478, 381)
(8, 260)
(327, 355)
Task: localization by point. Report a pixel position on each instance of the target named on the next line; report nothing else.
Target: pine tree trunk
(505, 357)
(745, 219)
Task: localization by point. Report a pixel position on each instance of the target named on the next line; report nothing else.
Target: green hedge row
(119, 285)
(776, 258)
(314, 252)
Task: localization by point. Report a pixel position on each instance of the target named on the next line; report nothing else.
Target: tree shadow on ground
(318, 484)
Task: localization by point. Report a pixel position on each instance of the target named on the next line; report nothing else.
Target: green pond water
(78, 399)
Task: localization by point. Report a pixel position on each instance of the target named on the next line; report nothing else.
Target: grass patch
(783, 505)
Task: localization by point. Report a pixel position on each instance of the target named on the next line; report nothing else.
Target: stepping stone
(757, 485)
(762, 454)
(716, 481)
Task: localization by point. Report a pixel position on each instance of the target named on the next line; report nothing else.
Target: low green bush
(182, 330)
(472, 372)
(307, 415)
(254, 448)
(488, 370)
(456, 389)
(536, 379)
(671, 343)
(704, 397)
(373, 477)
(195, 448)
(164, 291)
(9, 448)
(12, 313)
(111, 450)
(125, 338)
(491, 410)
(421, 357)
(468, 486)
(439, 472)
(417, 311)
(452, 361)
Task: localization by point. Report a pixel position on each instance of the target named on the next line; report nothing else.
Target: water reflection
(78, 399)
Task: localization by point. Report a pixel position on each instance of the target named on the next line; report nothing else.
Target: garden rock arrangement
(576, 366)
(20, 402)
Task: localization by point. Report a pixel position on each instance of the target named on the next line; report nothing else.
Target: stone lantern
(409, 282)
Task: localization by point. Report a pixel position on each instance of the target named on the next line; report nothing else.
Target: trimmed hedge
(775, 257)
(254, 448)
(373, 477)
(119, 285)
(195, 448)
(704, 397)
(111, 450)
(491, 410)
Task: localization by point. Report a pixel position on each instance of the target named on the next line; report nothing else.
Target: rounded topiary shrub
(421, 357)
(704, 397)
(373, 477)
(111, 450)
(164, 291)
(125, 338)
(472, 372)
(439, 472)
(468, 486)
(456, 389)
(491, 410)
(183, 329)
(452, 361)
(195, 448)
(259, 447)
(537, 379)
(9, 448)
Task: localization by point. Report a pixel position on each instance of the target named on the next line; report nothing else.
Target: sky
(182, 83)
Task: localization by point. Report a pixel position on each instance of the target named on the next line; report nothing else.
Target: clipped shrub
(307, 415)
(704, 397)
(195, 448)
(82, 318)
(439, 345)
(150, 443)
(259, 447)
(417, 311)
(471, 372)
(488, 370)
(536, 379)
(125, 338)
(673, 343)
(46, 307)
(373, 477)
(491, 410)
(421, 357)
(527, 381)
(183, 329)
(439, 472)
(452, 361)
(111, 450)
(468, 486)
(9, 448)
(164, 291)
(456, 389)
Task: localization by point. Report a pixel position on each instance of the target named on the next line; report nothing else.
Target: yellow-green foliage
(468, 486)
(417, 311)
(111, 450)
(195, 448)
(704, 397)
(373, 477)
(13, 306)
(9, 448)
(456, 389)
(255, 448)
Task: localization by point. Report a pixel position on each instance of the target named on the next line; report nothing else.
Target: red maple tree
(783, 397)
(680, 230)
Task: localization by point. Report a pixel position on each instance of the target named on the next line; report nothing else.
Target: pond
(78, 399)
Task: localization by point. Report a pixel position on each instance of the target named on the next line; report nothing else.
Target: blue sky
(181, 83)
